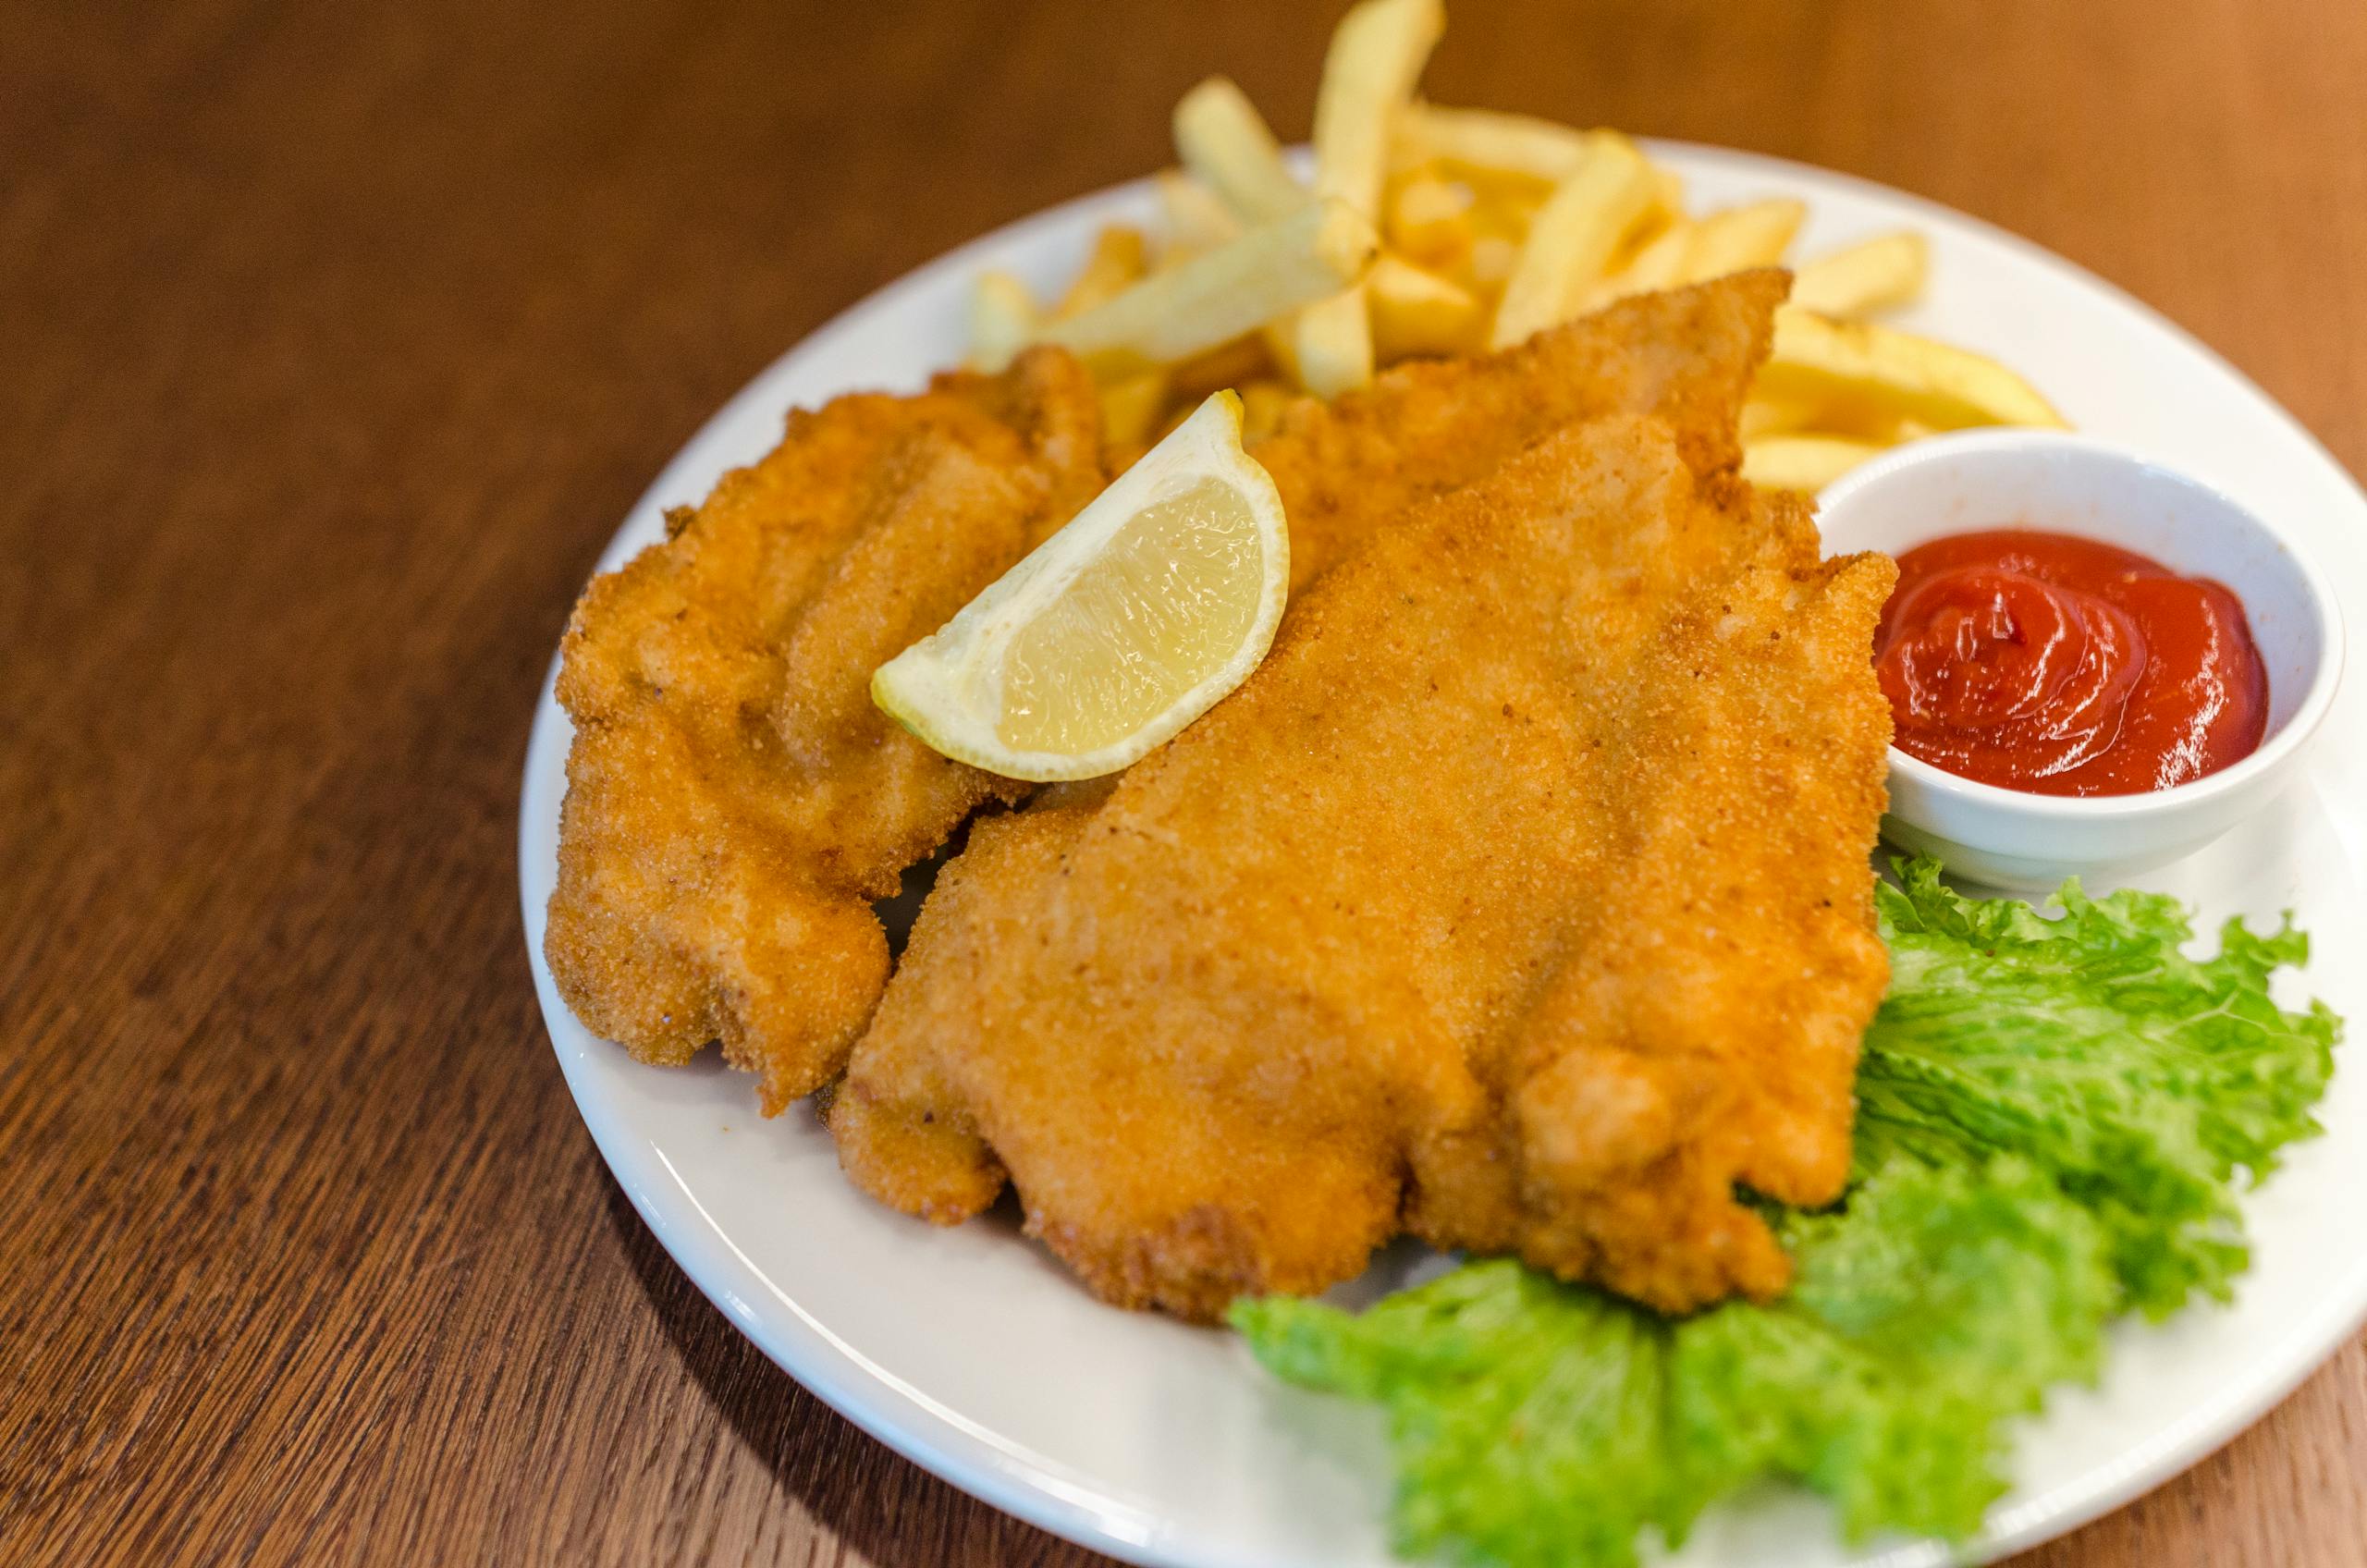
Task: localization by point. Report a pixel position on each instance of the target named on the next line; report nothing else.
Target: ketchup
(2041, 662)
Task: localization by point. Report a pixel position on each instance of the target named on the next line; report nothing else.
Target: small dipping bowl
(2061, 483)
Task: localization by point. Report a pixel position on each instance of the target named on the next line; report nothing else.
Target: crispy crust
(734, 800)
(1519, 900)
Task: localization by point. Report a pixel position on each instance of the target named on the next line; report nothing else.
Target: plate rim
(1038, 1491)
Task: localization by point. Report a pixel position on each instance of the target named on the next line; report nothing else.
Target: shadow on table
(884, 1508)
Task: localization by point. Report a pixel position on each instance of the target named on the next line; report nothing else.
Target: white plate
(971, 1353)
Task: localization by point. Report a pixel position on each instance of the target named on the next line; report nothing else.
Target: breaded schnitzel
(734, 799)
(1425, 427)
(1519, 898)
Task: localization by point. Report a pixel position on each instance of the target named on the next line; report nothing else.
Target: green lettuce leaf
(2051, 1116)
(2141, 1079)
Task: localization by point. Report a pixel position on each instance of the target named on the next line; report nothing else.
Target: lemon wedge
(1157, 600)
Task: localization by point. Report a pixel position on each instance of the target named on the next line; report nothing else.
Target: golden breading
(1376, 942)
(1349, 467)
(734, 800)
(1700, 1024)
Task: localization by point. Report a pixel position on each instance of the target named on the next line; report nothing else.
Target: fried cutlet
(1519, 900)
(734, 799)
(1427, 426)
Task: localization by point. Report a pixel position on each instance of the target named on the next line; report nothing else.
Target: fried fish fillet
(1519, 900)
(734, 799)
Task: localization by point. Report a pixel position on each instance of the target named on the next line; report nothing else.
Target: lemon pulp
(1124, 626)
(1169, 599)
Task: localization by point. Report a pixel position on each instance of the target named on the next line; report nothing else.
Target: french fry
(1262, 403)
(1859, 417)
(1131, 405)
(1852, 361)
(1754, 235)
(1888, 271)
(1573, 238)
(1806, 463)
(1429, 219)
(1280, 339)
(1668, 195)
(1766, 415)
(1003, 319)
(1376, 54)
(1415, 312)
(1483, 138)
(1196, 217)
(1493, 257)
(1332, 342)
(1217, 296)
(1174, 416)
(1224, 143)
(1654, 265)
(1233, 365)
(1508, 208)
(1117, 261)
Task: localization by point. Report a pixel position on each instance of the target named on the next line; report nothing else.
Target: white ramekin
(2071, 484)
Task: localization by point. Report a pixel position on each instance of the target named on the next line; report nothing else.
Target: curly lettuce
(2053, 1115)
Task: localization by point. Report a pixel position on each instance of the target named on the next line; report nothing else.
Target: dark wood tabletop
(335, 341)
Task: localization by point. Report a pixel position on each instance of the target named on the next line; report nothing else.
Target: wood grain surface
(335, 341)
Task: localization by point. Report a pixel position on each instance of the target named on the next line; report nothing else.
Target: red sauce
(2061, 665)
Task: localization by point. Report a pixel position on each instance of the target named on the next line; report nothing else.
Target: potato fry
(1262, 403)
(1483, 138)
(1281, 346)
(1946, 387)
(1763, 414)
(1197, 217)
(1493, 257)
(1117, 261)
(1415, 312)
(1117, 457)
(1176, 414)
(1377, 55)
(1859, 416)
(1653, 264)
(1754, 235)
(1573, 238)
(1225, 144)
(1429, 219)
(1508, 207)
(1668, 196)
(1215, 297)
(1003, 319)
(1806, 463)
(1233, 365)
(1131, 405)
(1332, 341)
(1888, 271)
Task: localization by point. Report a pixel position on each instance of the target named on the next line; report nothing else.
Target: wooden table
(332, 348)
